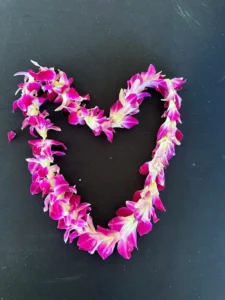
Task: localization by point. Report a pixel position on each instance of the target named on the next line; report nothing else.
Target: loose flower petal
(11, 135)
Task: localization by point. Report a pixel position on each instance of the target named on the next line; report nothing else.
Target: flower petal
(179, 135)
(86, 242)
(158, 203)
(105, 250)
(46, 75)
(116, 107)
(151, 70)
(56, 211)
(73, 118)
(73, 235)
(137, 196)
(144, 169)
(116, 223)
(124, 249)
(11, 135)
(144, 228)
(123, 212)
(72, 94)
(129, 122)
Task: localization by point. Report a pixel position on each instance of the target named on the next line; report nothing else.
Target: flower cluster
(61, 199)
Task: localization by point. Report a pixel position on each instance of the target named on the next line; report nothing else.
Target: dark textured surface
(101, 44)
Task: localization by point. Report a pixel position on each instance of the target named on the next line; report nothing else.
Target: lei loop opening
(61, 199)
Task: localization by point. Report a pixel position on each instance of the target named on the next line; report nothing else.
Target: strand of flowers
(61, 199)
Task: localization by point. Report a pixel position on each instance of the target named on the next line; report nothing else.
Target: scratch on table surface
(204, 4)
(186, 15)
(192, 18)
(221, 79)
(180, 11)
(62, 279)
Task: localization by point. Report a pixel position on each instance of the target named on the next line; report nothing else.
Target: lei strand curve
(61, 199)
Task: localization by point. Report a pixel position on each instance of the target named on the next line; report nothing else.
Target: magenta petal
(130, 205)
(179, 135)
(56, 211)
(163, 130)
(137, 196)
(132, 238)
(117, 223)
(151, 70)
(50, 199)
(14, 106)
(163, 88)
(144, 169)
(73, 189)
(109, 134)
(160, 187)
(143, 95)
(144, 228)
(66, 235)
(131, 99)
(67, 220)
(129, 122)
(11, 135)
(124, 249)
(173, 114)
(35, 188)
(154, 216)
(61, 224)
(105, 231)
(45, 187)
(61, 185)
(43, 172)
(116, 107)
(105, 250)
(158, 204)
(97, 131)
(34, 167)
(75, 200)
(57, 143)
(33, 86)
(45, 75)
(73, 118)
(84, 111)
(177, 83)
(73, 235)
(72, 94)
(25, 101)
(124, 212)
(177, 100)
(86, 97)
(84, 206)
(86, 242)
(138, 214)
(58, 153)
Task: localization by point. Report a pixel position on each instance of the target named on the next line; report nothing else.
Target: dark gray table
(101, 44)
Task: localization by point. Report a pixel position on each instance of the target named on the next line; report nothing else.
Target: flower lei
(61, 199)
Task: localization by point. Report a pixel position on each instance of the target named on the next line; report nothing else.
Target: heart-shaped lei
(61, 199)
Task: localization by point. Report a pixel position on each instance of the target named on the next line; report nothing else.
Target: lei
(61, 199)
